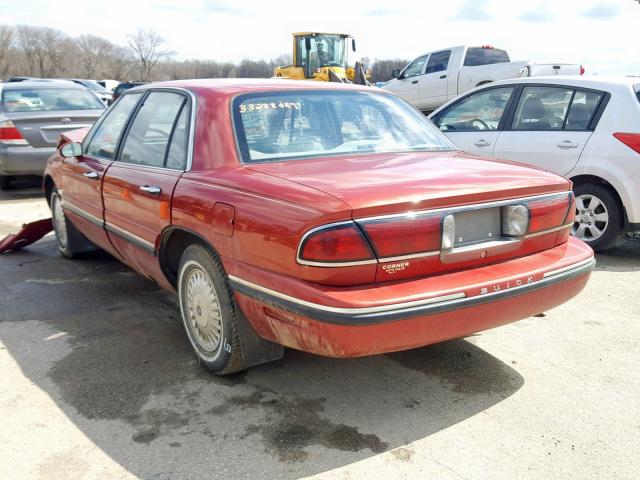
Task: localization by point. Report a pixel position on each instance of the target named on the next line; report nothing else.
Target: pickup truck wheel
(598, 216)
(69, 239)
(5, 182)
(209, 311)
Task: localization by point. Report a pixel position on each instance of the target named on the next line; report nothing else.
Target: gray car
(32, 117)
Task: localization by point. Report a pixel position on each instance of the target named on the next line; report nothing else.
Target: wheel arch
(173, 243)
(594, 179)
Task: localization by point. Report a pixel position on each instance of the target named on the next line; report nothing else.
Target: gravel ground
(98, 382)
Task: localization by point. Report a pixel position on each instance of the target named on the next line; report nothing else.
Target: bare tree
(147, 49)
(93, 51)
(43, 49)
(6, 43)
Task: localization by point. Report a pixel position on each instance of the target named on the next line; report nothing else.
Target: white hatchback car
(584, 128)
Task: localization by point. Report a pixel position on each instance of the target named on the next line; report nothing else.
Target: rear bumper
(423, 311)
(24, 159)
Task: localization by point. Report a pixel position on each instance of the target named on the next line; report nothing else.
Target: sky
(602, 35)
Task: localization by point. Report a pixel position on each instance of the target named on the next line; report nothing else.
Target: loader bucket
(29, 233)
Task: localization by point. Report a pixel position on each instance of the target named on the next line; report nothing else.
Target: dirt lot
(98, 381)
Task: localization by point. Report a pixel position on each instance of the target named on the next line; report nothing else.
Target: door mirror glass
(73, 149)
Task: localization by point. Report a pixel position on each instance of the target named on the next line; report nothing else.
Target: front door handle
(91, 175)
(414, 82)
(443, 76)
(482, 143)
(566, 144)
(153, 190)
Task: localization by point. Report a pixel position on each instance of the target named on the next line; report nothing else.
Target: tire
(598, 219)
(204, 294)
(68, 238)
(5, 182)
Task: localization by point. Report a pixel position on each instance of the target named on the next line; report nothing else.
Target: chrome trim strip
(553, 273)
(432, 253)
(472, 206)
(141, 242)
(350, 311)
(401, 311)
(82, 213)
(551, 230)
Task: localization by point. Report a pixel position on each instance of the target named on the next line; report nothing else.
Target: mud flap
(255, 350)
(30, 232)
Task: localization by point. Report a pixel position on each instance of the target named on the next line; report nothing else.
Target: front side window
(49, 99)
(290, 125)
(542, 108)
(148, 138)
(479, 111)
(414, 68)
(103, 141)
(438, 62)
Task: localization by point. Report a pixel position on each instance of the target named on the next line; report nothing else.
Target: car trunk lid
(42, 129)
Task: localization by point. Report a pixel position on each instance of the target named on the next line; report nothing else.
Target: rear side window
(477, 56)
(148, 138)
(479, 111)
(49, 99)
(583, 107)
(438, 62)
(542, 108)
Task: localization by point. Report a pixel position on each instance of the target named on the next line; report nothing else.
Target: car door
(406, 85)
(473, 123)
(138, 186)
(82, 176)
(550, 127)
(432, 86)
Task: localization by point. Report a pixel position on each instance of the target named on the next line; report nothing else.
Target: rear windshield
(477, 56)
(49, 99)
(304, 124)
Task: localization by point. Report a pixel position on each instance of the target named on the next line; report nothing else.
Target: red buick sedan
(329, 218)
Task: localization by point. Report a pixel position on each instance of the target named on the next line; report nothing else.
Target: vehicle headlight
(515, 220)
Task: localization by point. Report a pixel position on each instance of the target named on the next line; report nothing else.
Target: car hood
(389, 183)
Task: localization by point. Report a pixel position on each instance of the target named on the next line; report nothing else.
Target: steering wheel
(481, 122)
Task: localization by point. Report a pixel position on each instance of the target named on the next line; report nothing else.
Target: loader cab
(313, 51)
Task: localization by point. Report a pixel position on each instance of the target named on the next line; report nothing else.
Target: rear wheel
(208, 311)
(5, 182)
(598, 219)
(69, 239)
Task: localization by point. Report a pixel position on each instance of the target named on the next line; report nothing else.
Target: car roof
(48, 84)
(249, 85)
(587, 81)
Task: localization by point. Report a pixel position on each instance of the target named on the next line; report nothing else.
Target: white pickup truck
(432, 79)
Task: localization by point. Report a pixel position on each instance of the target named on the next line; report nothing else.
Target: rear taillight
(631, 140)
(581, 70)
(10, 135)
(548, 213)
(406, 235)
(337, 244)
(563, 235)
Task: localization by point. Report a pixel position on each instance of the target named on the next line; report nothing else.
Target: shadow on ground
(23, 188)
(107, 346)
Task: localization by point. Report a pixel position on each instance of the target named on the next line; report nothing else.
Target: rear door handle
(91, 175)
(482, 143)
(566, 144)
(152, 189)
(414, 82)
(443, 76)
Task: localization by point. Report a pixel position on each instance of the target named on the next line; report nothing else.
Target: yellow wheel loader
(323, 57)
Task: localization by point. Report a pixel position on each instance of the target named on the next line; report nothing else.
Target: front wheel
(68, 238)
(208, 311)
(598, 219)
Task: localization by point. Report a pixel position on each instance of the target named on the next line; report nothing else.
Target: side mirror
(395, 73)
(353, 44)
(73, 149)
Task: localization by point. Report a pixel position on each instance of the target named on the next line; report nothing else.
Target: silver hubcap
(203, 310)
(59, 222)
(592, 218)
